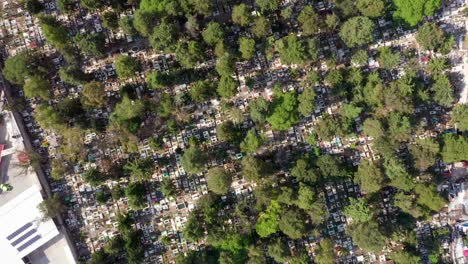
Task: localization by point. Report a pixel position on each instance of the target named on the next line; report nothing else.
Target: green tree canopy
(19, 67)
(110, 20)
(241, 15)
(251, 142)
(72, 75)
(330, 166)
(292, 223)
(163, 37)
(267, 222)
(268, 5)
(200, 91)
(226, 131)
(94, 177)
(291, 50)
(253, 169)
(284, 111)
(128, 113)
(309, 20)
(126, 24)
(247, 47)
(424, 153)
(387, 59)
(325, 253)
(94, 94)
(136, 194)
(428, 197)
(258, 109)
(358, 211)
(278, 249)
(369, 176)
(367, 236)
(189, 53)
(304, 172)
(371, 8)
(227, 86)
(412, 12)
(167, 187)
(443, 90)
(36, 86)
(260, 27)
(225, 65)
(126, 66)
(460, 116)
(430, 36)
(140, 169)
(306, 101)
(455, 148)
(213, 33)
(48, 118)
(143, 22)
(51, 207)
(218, 180)
(91, 44)
(357, 31)
(193, 159)
(399, 177)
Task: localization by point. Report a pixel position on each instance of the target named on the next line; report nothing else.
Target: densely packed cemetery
(266, 131)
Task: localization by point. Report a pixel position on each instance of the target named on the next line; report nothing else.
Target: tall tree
(291, 49)
(412, 12)
(371, 8)
(193, 159)
(94, 94)
(51, 207)
(126, 66)
(357, 31)
(241, 15)
(430, 36)
(218, 180)
(284, 111)
(251, 142)
(36, 86)
(369, 176)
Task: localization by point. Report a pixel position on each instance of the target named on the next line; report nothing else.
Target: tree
(144, 22)
(406, 204)
(369, 176)
(54, 31)
(227, 87)
(261, 27)
(309, 20)
(213, 33)
(306, 198)
(404, 256)
(163, 37)
(126, 66)
(189, 54)
(412, 12)
(258, 109)
(267, 222)
(48, 118)
(200, 91)
(91, 44)
(443, 91)
(357, 31)
(332, 22)
(387, 59)
(93, 177)
(399, 127)
(247, 47)
(202, 7)
(225, 65)
(396, 172)
(371, 8)
(373, 127)
(241, 15)
(167, 187)
(284, 111)
(306, 101)
(218, 180)
(193, 159)
(110, 20)
(455, 148)
(102, 197)
(94, 94)
(36, 86)
(51, 207)
(358, 211)
(437, 65)
(279, 250)
(193, 230)
(330, 166)
(251, 142)
(424, 153)
(291, 50)
(292, 223)
(226, 131)
(126, 24)
(268, 5)
(252, 168)
(430, 36)
(303, 172)
(367, 236)
(136, 194)
(65, 6)
(34, 6)
(72, 75)
(428, 197)
(140, 169)
(325, 253)
(460, 116)
(360, 57)
(128, 113)
(327, 128)
(19, 67)
(92, 4)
